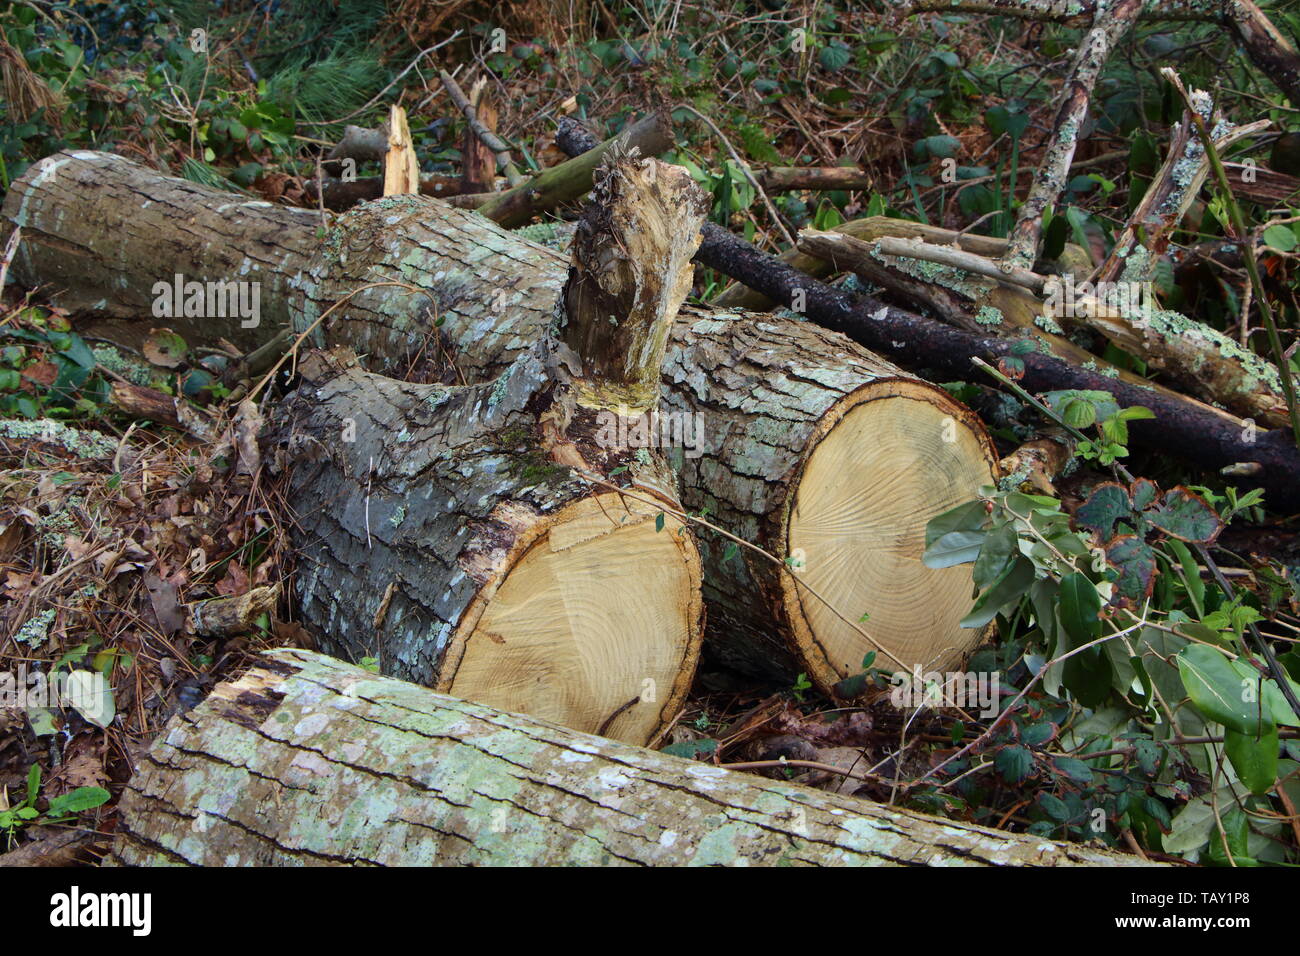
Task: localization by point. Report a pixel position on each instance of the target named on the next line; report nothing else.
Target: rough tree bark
(308, 761)
(443, 528)
(776, 400)
(1109, 25)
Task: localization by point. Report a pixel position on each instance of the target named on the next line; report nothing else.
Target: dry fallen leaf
(248, 425)
(164, 348)
(166, 604)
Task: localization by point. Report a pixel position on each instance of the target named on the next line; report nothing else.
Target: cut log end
(855, 532)
(567, 638)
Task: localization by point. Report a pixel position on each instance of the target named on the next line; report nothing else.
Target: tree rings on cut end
(596, 624)
(892, 455)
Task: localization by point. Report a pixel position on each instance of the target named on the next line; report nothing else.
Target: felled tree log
(305, 760)
(446, 532)
(802, 444)
(759, 403)
(99, 232)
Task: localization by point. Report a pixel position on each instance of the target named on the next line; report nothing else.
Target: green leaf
(1001, 548)
(1148, 755)
(42, 721)
(659, 521)
(33, 784)
(83, 798)
(834, 57)
(850, 687)
(1013, 583)
(1136, 563)
(1054, 807)
(942, 146)
(1254, 758)
(1074, 768)
(1079, 609)
(1001, 120)
(1186, 516)
(1143, 493)
(1078, 414)
(1088, 676)
(76, 349)
(1014, 763)
(1035, 735)
(955, 537)
(1216, 688)
(692, 749)
(1237, 830)
(1107, 505)
(1191, 574)
(1280, 238)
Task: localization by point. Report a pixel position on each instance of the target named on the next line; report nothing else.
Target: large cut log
(792, 437)
(100, 233)
(445, 531)
(306, 760)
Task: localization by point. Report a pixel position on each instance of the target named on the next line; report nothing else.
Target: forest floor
(111, 525)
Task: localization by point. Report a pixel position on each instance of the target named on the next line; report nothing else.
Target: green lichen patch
(83, 443)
